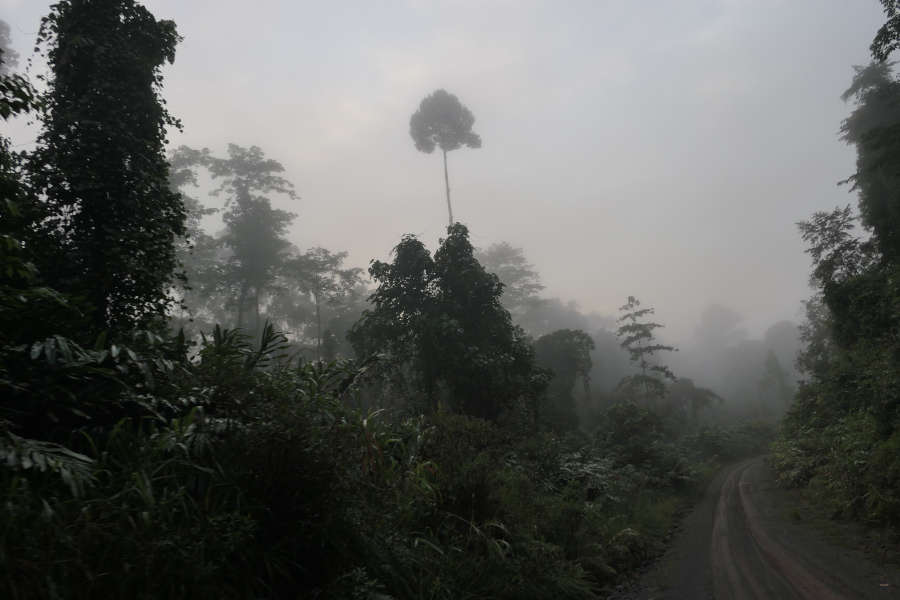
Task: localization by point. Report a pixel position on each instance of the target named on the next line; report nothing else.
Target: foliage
(443, 122)
(521, 283)
(254, 230)
(567, 354)
(687, 398)
(874, 128)
(254, 478)
(107, 221)
(239, 269)
(440, 320)
(888, 36)
(318, 274)
(638, 339)
(774, 387)
(840, 435)
(9, 58)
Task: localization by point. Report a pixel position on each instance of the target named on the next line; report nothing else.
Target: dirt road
(741, 544)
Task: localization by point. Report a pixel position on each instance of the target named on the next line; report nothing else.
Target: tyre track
(738, 545)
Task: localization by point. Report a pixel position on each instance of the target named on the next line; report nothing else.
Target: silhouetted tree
(443, 122)
(567, 354)
(684, 395)
(9, 58)
(775, 390)
(199, 254)
(783, 338)
(638, 339)
(254, 230)
(319, 274)
(440, 319)
(521, 283)
(888, 37)
(874, 128)
(110, 216)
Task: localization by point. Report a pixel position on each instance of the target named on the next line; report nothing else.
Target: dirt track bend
(739, 544)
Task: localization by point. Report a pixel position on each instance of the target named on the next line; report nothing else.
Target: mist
(662, 152)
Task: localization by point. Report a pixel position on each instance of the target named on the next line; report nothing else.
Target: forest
(195, 411)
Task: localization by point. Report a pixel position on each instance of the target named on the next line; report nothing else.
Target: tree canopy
(109, 217)
(637, 337)
(442, 121)
(442, 317)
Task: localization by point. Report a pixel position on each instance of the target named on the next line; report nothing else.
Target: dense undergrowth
(240, 474)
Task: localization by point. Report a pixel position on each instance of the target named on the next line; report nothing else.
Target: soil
(748, 539)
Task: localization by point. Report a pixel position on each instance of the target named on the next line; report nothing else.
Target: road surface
(740, 544)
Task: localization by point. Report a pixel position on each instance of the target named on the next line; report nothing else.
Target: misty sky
(659, 149)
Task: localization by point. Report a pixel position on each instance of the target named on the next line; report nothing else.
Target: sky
(658, 149)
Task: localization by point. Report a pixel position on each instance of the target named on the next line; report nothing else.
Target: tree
(888, 37)
(567, 354)
(254, 230)
(28, 309)
(684, 395)
(521, 283)
(842, 426)
(719, 328)
(774, 386)
(255, 235)
(440, 321)
(109, 217)
(443, 122)
(198, 253)
(638, 339)
(874, 128)
(783, 338)
(9, 58)
(319, 273)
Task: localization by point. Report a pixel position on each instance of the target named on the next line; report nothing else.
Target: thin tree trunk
(447, 183)
(240, 308)
(318, 330)
(256, 303)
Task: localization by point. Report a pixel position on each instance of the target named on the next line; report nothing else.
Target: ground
(748, 539)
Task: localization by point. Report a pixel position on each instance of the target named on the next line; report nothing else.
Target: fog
(664, 151)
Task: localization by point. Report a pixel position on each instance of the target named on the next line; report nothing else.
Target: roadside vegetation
(841, 438)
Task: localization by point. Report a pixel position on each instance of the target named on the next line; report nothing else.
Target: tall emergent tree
(638, 339)
(442, 121)
(110, 217)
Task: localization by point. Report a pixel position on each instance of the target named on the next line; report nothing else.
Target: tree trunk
(318, 330)
(447, 183)
(240, 308)
(256, 304)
